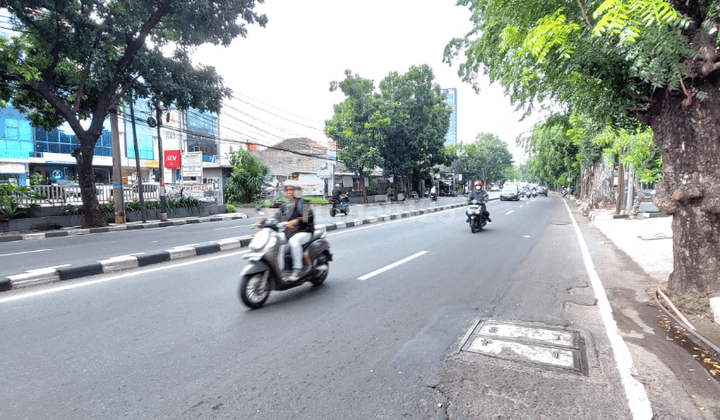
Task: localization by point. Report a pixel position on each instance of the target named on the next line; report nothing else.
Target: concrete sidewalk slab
(647, 241)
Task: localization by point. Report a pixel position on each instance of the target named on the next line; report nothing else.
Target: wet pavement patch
(538, 345)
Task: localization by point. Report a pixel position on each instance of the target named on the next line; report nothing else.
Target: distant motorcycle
(476, 215)
(264, 272)
(433, 197)
(563, 192)
(339, 206)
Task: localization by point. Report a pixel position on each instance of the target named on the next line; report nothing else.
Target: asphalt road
(173, 341)
(20, 256)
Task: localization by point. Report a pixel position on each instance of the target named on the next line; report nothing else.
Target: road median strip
(121, 263)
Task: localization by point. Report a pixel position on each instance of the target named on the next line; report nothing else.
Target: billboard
(192, 164)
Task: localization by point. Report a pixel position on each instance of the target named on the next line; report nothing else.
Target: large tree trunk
(689, 137)
(597, 185)
(93, 216)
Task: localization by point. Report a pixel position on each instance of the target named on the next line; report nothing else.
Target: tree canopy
(74, 60)
(617, 62)
(487, 158)
(400, 128)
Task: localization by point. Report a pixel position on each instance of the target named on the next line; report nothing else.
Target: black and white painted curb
(128, 262)
(129, 226)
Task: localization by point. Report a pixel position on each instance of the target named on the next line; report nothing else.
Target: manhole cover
(547, 346)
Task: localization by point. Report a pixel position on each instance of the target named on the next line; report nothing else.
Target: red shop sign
(172, 159)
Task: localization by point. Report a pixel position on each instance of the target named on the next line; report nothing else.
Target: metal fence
(60, 195)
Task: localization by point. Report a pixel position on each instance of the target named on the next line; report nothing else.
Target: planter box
(76, 220)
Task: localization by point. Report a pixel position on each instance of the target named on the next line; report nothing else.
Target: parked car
(541, 190)
(494, 188)
(510, 192)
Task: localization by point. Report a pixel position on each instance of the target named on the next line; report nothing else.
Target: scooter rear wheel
(254, 290)
(321, 267)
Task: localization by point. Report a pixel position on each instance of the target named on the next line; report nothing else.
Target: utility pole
(137, 164)
(117, 170)
(163, 205)
(621, 181)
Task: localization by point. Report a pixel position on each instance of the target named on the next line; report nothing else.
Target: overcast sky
(282, 72)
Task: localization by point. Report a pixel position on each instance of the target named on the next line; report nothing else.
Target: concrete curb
(128, 262)
(133, 226)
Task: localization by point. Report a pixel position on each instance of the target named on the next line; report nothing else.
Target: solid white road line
(24, 252)
(634, 390)
(393, 265)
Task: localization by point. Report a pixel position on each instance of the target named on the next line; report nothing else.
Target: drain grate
(547, 346)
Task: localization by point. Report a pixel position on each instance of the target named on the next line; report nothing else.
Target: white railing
(60, 195)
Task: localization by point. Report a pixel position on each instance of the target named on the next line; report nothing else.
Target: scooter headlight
(259, 240)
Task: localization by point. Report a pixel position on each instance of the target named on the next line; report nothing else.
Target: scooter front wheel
(254, 289)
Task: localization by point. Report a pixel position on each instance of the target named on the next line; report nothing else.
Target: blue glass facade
(16, 137)
(58, 141)
(451, 101)
(143, 131)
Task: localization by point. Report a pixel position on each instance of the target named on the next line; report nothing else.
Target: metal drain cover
(547, 346)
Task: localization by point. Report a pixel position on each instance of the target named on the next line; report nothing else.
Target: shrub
(230, 208)
(10, 207)
(372, 187)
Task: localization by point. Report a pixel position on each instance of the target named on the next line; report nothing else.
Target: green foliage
(372, 187)
(487, 158)
(246, 179)
(357, 125)
(316, 200)
(639, 152)
(74, 61)
(418, 120)
(545, 51)
(10, 196)
(36, 179)
(229, 208)
(512, 173)
(401, 128)
(135, 206)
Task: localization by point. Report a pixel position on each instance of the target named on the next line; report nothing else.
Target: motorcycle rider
(482, 196)
(296, 211)
(337, 194)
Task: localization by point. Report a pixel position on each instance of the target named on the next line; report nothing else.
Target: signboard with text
(172, 159)
(192, 164)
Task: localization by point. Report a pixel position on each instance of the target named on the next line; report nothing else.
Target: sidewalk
(648, 241)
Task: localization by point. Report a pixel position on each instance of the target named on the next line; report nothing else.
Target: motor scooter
(340, 206)
(266, 268)
(477, 218)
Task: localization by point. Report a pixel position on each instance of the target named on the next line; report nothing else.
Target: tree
(358, 126)
(74, 61)
(619, 62)
(512, 173)
(418, 120)
(246, 179)
(487, 159)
